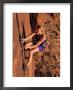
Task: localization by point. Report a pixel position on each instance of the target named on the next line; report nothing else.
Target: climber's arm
(26, 39)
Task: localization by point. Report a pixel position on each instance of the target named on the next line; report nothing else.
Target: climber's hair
(38, 26)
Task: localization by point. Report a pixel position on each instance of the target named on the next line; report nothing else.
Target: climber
(38, 39)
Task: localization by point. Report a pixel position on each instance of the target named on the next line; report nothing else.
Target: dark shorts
(41, 46)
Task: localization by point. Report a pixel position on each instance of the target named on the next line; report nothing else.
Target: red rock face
(45, 63)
